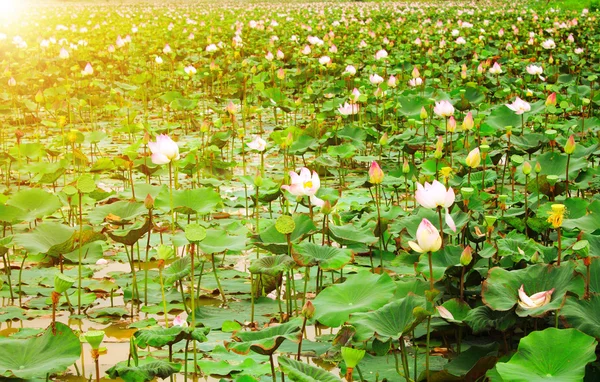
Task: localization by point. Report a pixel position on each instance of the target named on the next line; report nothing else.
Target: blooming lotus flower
(375, 79)
(305, 184)
(180, 321)
(534, 301)
(473, 158)
(350, 70)
(88, 70)
(381, 54)
(348, 109)
(324, 60)
(443, 109)
(64, 54)
(461, 41)
(164, 150)
(189, 70)
(355, 95)
(495, 69)
(578, 50)
(428, 238)
(269, 56)
(414, 82)
(167, 49)
(211, 48)
(158, 60)
(435, 195)
(519, 106)
(549, 44)
(280, 54)
(306, 51)
(12, 82)
(258, 144)
(375, 173)
(534, 70)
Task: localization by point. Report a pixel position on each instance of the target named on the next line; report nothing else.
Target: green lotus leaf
(178, 269)
(131, 234)
(265, 341)
(35, 202)
(38, 356)
(359, 293)
(125, 210)
(271, 265)
(302, 372)
(391, 321)
(145, 371)
(200, 201)
(551, 354)
(328, 258)
(500, 289)
(458, 308)
(218, 240)
(583, 314)
(484, 318)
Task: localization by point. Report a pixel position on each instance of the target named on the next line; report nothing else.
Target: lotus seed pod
(62, 283)
(94, 338)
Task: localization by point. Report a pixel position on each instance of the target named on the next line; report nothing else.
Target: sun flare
(9, 7)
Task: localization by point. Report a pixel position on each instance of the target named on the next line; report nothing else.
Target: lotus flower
(375, 173)
(164, 150)
(392, 81)
(355, 95)
(348, 109)
(167, 49)
(435, 195)
(158, 60)
(534, 70)
(496, 69)
(305, 184)
(375, 79)
(534, 301)
(549, 44)
(551, 100)
(443, 109)
(211, 48)
(325, 60)
(428, 238)
(381, 54)
(258, 144)
(444, 313)
(64, 54)
(414, 82)
(12, 82)
(473, 158)
(350, 70)
(519, 106)
(190, 70)
(88, 70)
(468, 122)
(180, 321)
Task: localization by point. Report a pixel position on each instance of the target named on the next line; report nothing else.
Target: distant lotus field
(241, 191)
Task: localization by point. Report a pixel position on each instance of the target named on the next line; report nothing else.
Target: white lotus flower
(428, 238)
(535, 300)
(164, 150)
(519, 106)
(305, 184)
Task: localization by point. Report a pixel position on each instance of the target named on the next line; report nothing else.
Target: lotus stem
(171, 197)
(301, 338)
(146, 259)
(349, 374)
(559, 245)
(272, 367)
(212, 257)
(439, 209)
(79, 266)
(96, 358)
(427, 347)
(404, 359)
(567, 176)
(161, 265)
(430, 271)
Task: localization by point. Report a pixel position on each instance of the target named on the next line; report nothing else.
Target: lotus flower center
(308, 184)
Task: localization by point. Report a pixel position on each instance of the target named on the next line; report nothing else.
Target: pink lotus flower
(443, 109)
(415, 73)
(381, 54)
(495, 69)
(375, 79)
(392, 81)
(350, 70)
(167, 49)
(164, 150)
(64, 54)
(348, 109)
(324, 60)
(355, 95)
(534, 70)
(519, 106)
(180, 321)
(88, 70)
(375, 173)
(468, 122)
(305, 184)
(428, 238)
(549, 44)
(473, 158)
(12, 82)
(258, 144)
(534, 301)
(444, 313)
(414, 82)
(435, 195)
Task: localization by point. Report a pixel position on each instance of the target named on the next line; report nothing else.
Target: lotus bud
(19, 134)
(468, 122)
(423, 114)
(551, 100)
(149, 202)
(146, 138)
(438, 148)
(12, 82)
(94, 338)
(62, 283)
(537, 168)
(451, 127)
(484, 150)
(352, 356)
(375, 173)
(326, 208)
(383, 141)
(535, 258)
(526, 168)
(39, 97)
(474, 158)
(570, 145)
(466, 256)
(258, 181)
(405, 167)
(308, 310)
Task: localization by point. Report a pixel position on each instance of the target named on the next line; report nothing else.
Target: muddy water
(117, 336)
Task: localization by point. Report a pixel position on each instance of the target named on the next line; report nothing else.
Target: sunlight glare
(8, 8)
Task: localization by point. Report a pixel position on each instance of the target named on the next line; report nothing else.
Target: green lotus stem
(79, 266)
(567, 176)
(306, 278)
(559, 245)
(8, 272)
(380, 241)
(427, 347)
(171, 197)
(212, 257)
(251, 298)
(162, 291)
(20, 275)
(146, 259)
(96, 358)
(200, 280)
(135, 294)
(404, 359)
(185, 360)
(439, 210)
